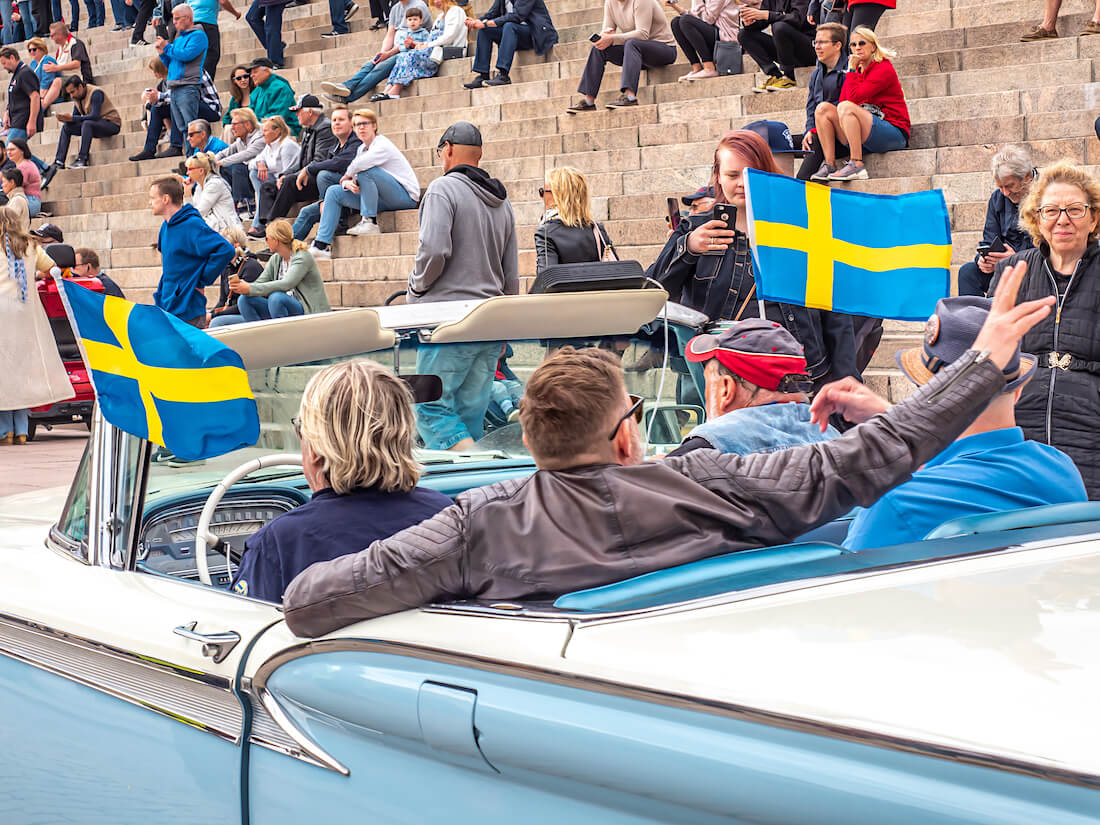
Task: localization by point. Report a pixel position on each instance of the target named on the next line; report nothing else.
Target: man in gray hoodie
(457, 260)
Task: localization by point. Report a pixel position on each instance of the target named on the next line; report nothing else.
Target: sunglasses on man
(635, 410)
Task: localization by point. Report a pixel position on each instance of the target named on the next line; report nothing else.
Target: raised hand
(1008, 322)
(848, 397)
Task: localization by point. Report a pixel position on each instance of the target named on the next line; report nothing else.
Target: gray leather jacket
(563, 530)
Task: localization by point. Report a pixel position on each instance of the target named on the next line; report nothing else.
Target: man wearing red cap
(755, 397)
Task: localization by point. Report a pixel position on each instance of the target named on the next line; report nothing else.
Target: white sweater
(454, 30)
(387, 157)
(214, 201)
(278, 156)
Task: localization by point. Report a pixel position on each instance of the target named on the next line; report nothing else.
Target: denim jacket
(763, 429)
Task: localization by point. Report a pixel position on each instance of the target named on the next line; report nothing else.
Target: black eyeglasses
(297, 423)
(635, 410)
(859, 43)
(193, 134)
(543, 191)
(240, 77)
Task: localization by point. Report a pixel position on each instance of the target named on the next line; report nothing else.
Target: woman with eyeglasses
(240, 90)
(210, 194)
(49, 83)
(871, 116)
(1060, 406)
(568, 233)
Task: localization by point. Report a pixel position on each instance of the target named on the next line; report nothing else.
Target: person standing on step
(184, 57)
(206, 18)
(467, 250)
(825, 86)
(23, 115)
(192, 254)
(513, 25)
(272, 95)
(316, 139)
(379, 179)
(93, 116)
(699, 30)
(853, 15)
(1048, 29)
(266, 19)
(635, 34)
(789, 46)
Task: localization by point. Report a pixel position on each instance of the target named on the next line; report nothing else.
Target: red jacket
(879, 85)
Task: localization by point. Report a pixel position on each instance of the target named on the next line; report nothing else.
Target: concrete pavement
(48, 461)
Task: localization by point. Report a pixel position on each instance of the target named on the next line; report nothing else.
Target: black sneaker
(144, 154)
(51, 172)
(170, 152)
(378, 24)
(119, 28)
(378, 98)
(477, 82)
(499, 79)
(79, 163)
(622, 101)
(331, 34)
(142, 42)
(583, 106)
(350, 11)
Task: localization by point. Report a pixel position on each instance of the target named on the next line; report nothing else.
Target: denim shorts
(884, 137)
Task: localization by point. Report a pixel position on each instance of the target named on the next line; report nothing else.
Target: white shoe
(687, 77)
(365, 227)
(338, 89)
(343, 101)
(320, 254)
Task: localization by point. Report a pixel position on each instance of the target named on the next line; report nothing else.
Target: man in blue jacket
(192, 254)
(513, 26)
(184, 57)
(826, 81)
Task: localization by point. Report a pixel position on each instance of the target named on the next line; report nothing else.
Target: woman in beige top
(635, 33)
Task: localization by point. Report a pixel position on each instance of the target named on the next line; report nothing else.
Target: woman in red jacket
(871, 116)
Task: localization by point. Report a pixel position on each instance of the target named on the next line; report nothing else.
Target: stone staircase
(971, 87)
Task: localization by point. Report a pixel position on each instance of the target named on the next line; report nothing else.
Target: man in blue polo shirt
(989, 468)
(206, 18)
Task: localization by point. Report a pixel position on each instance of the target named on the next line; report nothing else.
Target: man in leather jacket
(595, 512)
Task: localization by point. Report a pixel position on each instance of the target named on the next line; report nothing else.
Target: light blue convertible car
(953, 680)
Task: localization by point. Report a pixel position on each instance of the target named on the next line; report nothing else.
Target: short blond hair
(357, 417)
(203, 160)
(1064, 171)
(280, 126)
(40, 44)
(246, 114)
(369, 114)
(570, 190)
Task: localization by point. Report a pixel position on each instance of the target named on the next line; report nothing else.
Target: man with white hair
(184, 57)
(357, 427)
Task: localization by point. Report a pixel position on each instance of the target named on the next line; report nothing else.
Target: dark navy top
(326, 527)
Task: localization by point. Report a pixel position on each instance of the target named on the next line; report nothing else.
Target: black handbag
(587, 277)
(727, 57)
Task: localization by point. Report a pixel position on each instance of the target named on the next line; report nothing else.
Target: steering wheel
(203, 537)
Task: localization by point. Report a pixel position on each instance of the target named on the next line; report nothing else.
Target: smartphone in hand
(595, 38)
(673, 212)
(727, 213)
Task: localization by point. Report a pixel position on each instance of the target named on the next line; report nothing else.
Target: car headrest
(61, 254)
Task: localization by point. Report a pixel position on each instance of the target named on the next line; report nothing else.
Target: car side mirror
(424, 388)
(670, 423)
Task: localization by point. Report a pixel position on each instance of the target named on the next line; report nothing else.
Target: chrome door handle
(215, 645)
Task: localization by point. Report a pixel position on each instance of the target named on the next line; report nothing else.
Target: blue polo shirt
(205, 11)
(327, 526)
(984, 473)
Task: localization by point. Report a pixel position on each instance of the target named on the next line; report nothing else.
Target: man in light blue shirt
(988, 469)
(206, 17)
(755, 394)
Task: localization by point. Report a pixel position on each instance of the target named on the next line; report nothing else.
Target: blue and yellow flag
(161, 379)
(886, 256)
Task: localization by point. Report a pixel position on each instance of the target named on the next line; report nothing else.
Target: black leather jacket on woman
(556, 243)
(1060, 405)
(720, 286)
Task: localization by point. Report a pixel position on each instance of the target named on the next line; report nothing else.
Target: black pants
(815, 157)
(289, 194)
(865, 14)
(87, 129)
(43, 16)
(696, 38)
(632, 56)
(214, 50)
(789, 48)
(380, 8)
(144, 15)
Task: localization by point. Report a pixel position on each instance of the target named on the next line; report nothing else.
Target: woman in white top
(280, 153)
(210, 193)
(424, 58)
(378, 179)
(33, 374)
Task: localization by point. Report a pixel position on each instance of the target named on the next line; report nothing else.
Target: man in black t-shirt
(23, 117)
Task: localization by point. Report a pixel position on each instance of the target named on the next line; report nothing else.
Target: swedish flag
(161, 379)
(886, 256)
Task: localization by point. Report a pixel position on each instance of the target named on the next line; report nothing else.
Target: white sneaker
(338, 89)
(686, 77)
(365, 227)
(343, 101)
(320, 254)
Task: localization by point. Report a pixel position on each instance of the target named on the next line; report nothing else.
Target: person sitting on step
(513, 27)
(699, 30)
(789, 46)
(50, 82)
(93, 116)
(423, 60)
(1048, 29)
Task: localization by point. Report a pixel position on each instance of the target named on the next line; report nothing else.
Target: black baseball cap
(701, 192)
(261, 61)
(461, 134)
(306, 102)
(51, 231)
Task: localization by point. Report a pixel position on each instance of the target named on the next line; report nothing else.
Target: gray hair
(200, 123)
(1013, 161)
(184, 9)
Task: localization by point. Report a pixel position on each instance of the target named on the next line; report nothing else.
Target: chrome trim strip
(1000, 762)
(306, 748)
(201, 700)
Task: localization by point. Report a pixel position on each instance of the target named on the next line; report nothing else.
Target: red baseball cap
(762, 352)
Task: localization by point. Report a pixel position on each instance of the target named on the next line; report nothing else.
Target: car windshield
(672, 404)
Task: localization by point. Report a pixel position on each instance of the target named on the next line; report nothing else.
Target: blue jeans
(511, 38)
(97, 13)
(227, 320)
(369, 76)
(9, 27)
(267, 23)
(124, 15)
(27, 21)
(309, 215)
(34, 205)
(275, 305)
(467, 372)
(884, 137)
(972, 281)
(159, 117)
(336, 11)
(185, 106)
(14, 133)
(236, 175)
(13, 421)
(379, 191)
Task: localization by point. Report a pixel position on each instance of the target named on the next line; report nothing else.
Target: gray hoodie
(475, 256)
